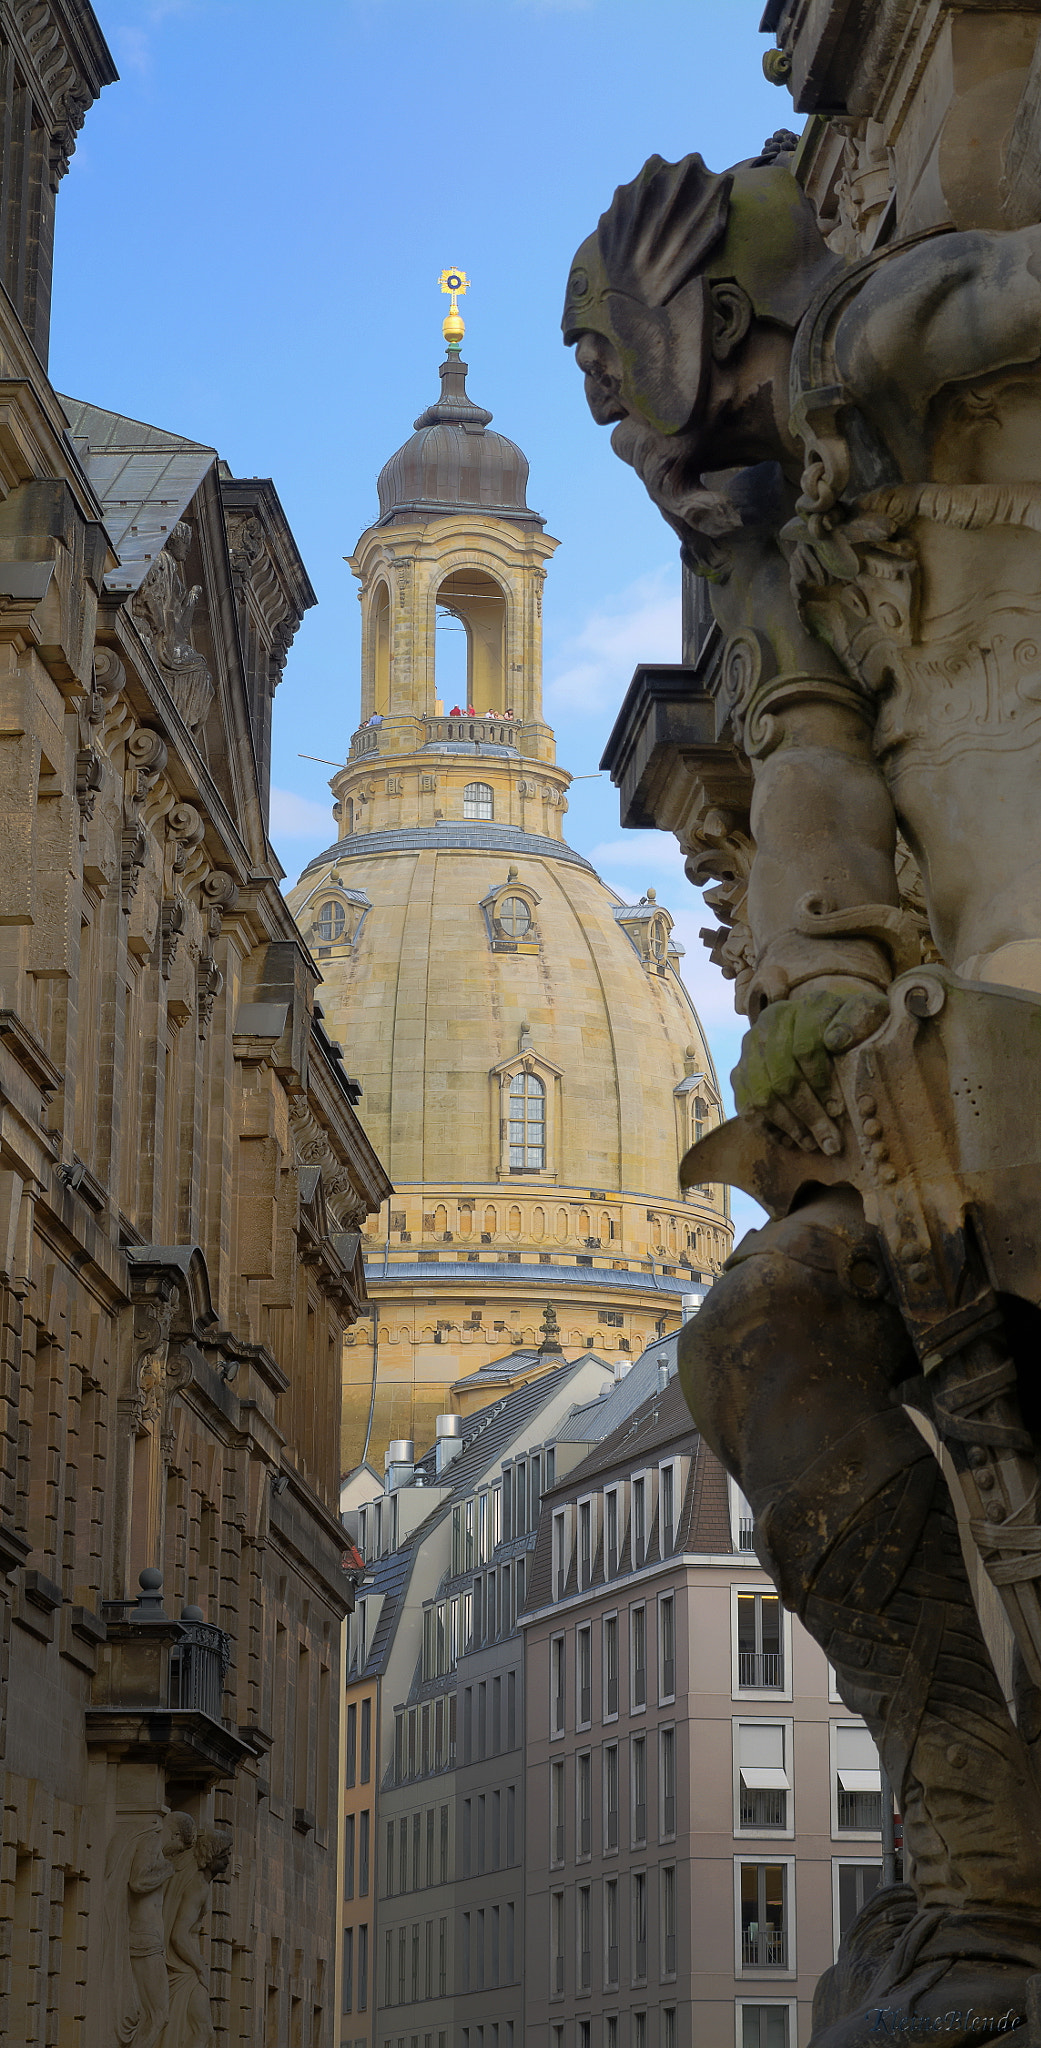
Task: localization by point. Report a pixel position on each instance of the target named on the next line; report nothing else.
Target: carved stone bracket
(185, 827)
(171, 927)
(133, 852)
(210, 982)
(219, 895)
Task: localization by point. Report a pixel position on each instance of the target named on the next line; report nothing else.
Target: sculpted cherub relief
(851, 453)
(165, 608)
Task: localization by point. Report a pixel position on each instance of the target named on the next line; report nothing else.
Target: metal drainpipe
(888, 1831)
(375, 1314)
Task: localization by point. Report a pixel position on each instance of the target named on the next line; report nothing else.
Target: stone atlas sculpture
(850, 452)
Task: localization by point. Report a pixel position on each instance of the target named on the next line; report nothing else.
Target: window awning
(860, 1781)
(763, 1778)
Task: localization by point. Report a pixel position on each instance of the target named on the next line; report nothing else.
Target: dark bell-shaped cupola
(453, 464)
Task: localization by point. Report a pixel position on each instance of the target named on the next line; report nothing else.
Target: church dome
(453, 464)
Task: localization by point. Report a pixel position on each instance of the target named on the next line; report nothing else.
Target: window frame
(787, 1725)
(637, 1607)
(841, 1834)
(770, 1971)
(752, 1692)
(789, 2005)
(479, 815)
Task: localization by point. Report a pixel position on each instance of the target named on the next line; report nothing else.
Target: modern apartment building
(433, 1918)
(702, 1814)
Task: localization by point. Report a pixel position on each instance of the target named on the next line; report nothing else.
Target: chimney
(449, 1430)
(690, 1304)
(399, 1463)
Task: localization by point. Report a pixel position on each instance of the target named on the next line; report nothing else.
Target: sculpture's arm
(822, 905)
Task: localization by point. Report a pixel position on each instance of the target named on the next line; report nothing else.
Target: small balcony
(764, 1948)
(491, 730)
(159, 1690)
(761, 1670)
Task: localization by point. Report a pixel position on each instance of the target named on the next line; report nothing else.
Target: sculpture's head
(681, 309)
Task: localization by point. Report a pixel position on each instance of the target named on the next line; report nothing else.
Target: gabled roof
(144, 478)
(485, 1436)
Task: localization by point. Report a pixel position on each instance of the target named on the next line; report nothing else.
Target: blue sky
(248, 248)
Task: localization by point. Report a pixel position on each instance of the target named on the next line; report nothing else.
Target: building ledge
(189, 1745)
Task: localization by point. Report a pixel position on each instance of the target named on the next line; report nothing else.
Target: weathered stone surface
(852, 456)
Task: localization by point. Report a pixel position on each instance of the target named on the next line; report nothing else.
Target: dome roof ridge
(451, 464)
(455, 407)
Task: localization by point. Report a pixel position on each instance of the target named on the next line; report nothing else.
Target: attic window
(514, 916)
(332, 922)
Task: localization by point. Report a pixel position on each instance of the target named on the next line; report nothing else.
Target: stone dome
(452, 463)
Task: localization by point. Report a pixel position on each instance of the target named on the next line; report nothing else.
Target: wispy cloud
(299, 817)
(642, 623)
(132, 43)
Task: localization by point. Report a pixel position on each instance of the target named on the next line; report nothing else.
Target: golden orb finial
(453, 327)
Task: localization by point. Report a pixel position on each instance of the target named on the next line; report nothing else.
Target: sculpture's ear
(731, 318)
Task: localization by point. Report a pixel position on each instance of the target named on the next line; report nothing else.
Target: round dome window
(514, 916)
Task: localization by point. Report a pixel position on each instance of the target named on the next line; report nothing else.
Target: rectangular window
(520, 1504)
(402, 1963)
(428, 1960)
(468, 1535)
(611, 1531)
(457, 1541)
(667, 1781)
(403, 1854)
(638, 1758)
(560, 1556)
(639, 2030)
(556, 1932)
(468, 1850)
(442, 1958)
(557, 1685)
(858, 1803)
(667, 1644)
(610, 1933)
(430, 1846)
(760, 1644)
(348, 1856)
(365, 1772)
(556, 1811)
(610, 1667)
(496, 1530)
(352, 1744)
(585, 1952)
(507, 1504)
(482, 1529)
(363, 1854)
(348, 1969)
(764, 2026)
(611, 2031)
(637, 1657)
(668, 2026)
(491, 1610)
(611, 1795)
(764, 1916)
(584, 1803)
(763, 1778)
(667, 1508)
(465, 1959)
(389, 1883)
(363, 1968)
(668, 1920)
(585, 1542)
(639, 1883)
(855, 1884)
(584, 1675)
(639, 1522)
(511, 1824)
(444, 1845)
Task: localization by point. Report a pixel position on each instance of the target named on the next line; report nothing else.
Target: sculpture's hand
(785, 1072)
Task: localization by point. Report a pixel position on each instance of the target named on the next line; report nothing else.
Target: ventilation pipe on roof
(663, 1371)
(690, 1304)
(449, 1432)
(400, 1463)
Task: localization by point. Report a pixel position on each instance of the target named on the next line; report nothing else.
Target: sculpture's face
(681, 309)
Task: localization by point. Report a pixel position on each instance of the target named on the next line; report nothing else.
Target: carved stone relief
(165, 608)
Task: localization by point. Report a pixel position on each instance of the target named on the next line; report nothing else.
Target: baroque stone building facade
(183, 1181)
(533, 1067)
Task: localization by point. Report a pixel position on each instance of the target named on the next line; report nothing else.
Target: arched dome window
(478, 800)
(332, 923)
(700, 1117)
(527, 1137)
(514, 915)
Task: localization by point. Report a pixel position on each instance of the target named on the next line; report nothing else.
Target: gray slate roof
(451, 838)
(144, 478)
(486, 1435)
(508, 1270)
